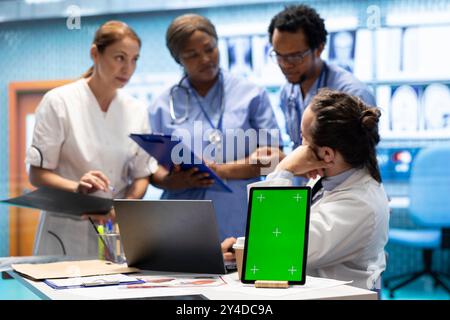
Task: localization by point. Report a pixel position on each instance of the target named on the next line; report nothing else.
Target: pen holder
(110, 248)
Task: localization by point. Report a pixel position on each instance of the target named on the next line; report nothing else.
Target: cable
(60, 241)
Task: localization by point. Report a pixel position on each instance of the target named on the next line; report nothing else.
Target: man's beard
(301, 79)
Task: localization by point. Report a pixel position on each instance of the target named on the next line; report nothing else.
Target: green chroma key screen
(277, 234)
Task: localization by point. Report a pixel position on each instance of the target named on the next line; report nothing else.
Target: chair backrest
(430, 187)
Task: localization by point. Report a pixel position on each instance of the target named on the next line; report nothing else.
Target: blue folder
(160, 147)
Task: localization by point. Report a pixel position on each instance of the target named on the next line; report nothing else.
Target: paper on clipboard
(92, 281)
(71, 269)
(160, 147)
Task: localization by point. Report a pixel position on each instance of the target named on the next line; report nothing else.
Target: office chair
(430, 211)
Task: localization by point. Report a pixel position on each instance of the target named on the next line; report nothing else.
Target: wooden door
(23, 100)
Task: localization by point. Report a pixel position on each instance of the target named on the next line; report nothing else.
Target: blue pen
(109, 226)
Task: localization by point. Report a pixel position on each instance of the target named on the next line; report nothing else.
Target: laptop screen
(170, 235)
(277, 234)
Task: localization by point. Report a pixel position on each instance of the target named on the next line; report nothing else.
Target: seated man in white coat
(349, 213)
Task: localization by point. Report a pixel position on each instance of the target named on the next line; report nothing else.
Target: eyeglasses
(293, 58)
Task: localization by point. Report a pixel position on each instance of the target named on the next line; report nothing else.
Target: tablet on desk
(276, 242)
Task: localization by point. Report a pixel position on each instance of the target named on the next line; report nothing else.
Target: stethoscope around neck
(188, 91)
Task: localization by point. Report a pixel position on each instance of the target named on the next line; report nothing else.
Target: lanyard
(293, 103)
(222, 105)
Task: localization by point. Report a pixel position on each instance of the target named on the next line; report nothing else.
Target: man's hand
(217, 168)
(265, 156)
(303, 161)
(227, 246)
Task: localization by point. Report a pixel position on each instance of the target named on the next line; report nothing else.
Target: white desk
(226, 292)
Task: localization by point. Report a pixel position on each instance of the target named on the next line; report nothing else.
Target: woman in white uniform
(212, 106)
(349, 213)
(81, 144)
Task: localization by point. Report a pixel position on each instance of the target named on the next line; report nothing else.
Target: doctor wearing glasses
(219, 102)
(298, 37)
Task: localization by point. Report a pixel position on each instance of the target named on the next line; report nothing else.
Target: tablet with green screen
(276, 240)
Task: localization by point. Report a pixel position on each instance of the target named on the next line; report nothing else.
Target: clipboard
(160, 147)
(93, 281)
(58, 200)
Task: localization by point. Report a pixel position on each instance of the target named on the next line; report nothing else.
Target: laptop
(170, 235)
(276, 240)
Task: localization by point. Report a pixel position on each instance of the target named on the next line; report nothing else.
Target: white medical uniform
(72, 136)
(348, 229)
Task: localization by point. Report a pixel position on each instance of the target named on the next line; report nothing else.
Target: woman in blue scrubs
(208, 108)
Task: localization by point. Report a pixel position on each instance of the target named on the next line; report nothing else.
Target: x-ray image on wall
(263, 66)
(240, 55)
(405, 109)
(436, 102)
(260, 54)
(342, 49)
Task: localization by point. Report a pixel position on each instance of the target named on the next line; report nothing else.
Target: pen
(108, 252)
(109, 226)
(100, 283)
(101, 243)
(101, 230)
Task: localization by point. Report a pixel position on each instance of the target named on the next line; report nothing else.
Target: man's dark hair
(301, 17)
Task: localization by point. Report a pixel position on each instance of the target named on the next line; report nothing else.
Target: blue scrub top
(335, 78)
(246, 106)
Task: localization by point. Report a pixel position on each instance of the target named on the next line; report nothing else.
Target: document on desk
(312, 283)
(57, 200)
(71, 269)
(177, 281)
(93, 281)
(160, 147)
